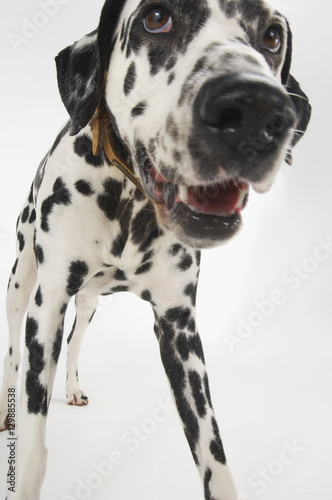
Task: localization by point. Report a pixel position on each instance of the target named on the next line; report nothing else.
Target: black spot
(25, 214)
(138, 195)
(120, 288)
(229, 7)
(207, 479)
(38, 298)
(171, 128)
(84, 187)
(146, 295)
(123, 30)
(195, 346)
(170, 78)
(191, 325)
(99, 275)
(175, 249)
(143, 269)
(190, 344)
(109, 200)
(57, 345)
(31, 329)
(17, 286)
(63, 309)
(191, 291)
(83, 147)
(77, 272)
(139, 109)
(170, 64)
(60, 196)
(200, 66)
(145, 229)
(216, 446)
(10, 351)
(30, 199)
(107, 265)
(130, 79)
(120, 275)
(198, 257)
(147, 256)
(70, 336)
(32, 216)
(124, 212)
(36, 392)
(156, 330)
(39, 253)
(21, 241)
(186, 262)
(15, 267)
(207, 390)
(176, 375)
(178, 315)
(183, 346)
(198, 395)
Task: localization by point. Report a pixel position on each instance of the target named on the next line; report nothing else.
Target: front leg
(86, 306)
(183, 360)
(43, 337)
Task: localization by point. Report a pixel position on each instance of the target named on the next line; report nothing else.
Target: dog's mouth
(206, 213)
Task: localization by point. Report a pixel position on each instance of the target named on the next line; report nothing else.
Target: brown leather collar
(101, 136)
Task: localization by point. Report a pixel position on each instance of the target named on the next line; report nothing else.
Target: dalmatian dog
(177, 109)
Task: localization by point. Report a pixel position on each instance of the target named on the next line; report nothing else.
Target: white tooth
(242, 195)
(183, 193)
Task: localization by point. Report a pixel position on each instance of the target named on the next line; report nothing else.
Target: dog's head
(201, 100)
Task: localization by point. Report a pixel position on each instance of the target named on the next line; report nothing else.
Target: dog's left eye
(158, 20)
(272, 39)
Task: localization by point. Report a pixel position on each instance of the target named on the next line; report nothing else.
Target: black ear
(80, 80)
(298, 97)
(81, 68)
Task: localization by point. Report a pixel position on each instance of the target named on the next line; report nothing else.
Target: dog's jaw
(201, 215)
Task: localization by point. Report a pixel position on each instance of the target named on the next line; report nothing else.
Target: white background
(274, 388)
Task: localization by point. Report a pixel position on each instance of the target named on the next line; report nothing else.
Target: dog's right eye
(158, 20)
(272, 39)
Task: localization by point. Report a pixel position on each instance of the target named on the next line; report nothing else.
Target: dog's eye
(272, 39)
(158, 20)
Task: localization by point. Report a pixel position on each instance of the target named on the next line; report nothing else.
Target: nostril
(224, 119)
(231, 119)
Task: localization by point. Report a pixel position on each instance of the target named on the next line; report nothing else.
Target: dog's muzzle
(241, 129)
(240, 124)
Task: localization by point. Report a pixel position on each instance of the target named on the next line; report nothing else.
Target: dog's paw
(77, 398)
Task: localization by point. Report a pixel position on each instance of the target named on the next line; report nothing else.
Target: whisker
(299, 96)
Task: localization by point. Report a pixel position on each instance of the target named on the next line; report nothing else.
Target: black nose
(242, 122)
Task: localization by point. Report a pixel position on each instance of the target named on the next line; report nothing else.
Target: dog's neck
(102, 138)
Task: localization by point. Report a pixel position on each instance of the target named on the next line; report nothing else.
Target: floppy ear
(80, 80)
(298, 97)
(81, 68)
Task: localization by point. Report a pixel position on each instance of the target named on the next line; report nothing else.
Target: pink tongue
(217, 200)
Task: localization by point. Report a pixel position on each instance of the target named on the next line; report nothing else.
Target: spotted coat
(201, 106)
